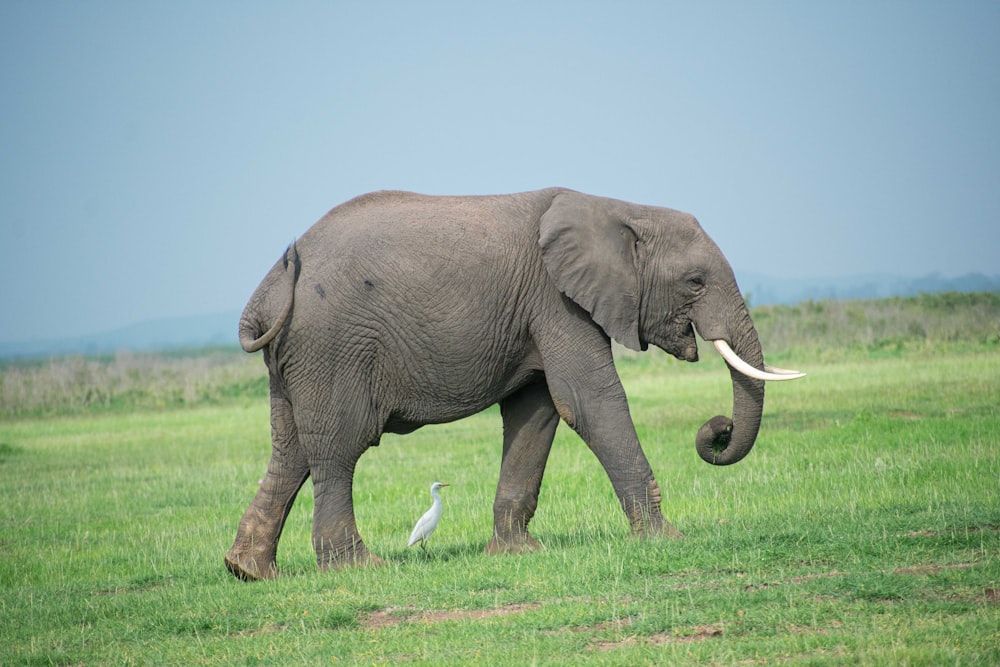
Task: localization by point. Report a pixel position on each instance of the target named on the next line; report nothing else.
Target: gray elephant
(397, 310)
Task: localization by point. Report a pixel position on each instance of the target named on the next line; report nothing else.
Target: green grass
(863, 529)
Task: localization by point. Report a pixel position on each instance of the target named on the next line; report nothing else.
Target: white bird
(429, 521)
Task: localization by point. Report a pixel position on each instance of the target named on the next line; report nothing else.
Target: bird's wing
(420, 530)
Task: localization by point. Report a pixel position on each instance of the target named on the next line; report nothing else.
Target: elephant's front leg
(253, 555)
(593, 403)
(529, 424)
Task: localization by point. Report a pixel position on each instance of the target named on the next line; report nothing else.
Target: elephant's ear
(589, 252)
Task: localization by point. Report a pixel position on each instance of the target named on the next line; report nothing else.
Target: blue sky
(156, 157)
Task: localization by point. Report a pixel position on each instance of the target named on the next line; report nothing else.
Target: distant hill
(161, 334)
(220, 329)
(762, 290)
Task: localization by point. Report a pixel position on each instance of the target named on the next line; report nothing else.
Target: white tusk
(780, 371)
(768, 373)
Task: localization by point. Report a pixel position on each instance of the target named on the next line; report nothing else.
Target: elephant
(396, 310)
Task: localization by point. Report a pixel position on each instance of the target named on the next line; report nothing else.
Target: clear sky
(156, 157)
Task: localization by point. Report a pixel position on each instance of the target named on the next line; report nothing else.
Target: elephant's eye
(696, 280)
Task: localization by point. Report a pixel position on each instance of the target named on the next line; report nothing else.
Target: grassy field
(863, 529)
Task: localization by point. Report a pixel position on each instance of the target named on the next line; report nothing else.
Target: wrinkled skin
(397, 310)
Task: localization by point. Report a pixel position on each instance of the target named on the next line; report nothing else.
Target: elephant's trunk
(723, 441)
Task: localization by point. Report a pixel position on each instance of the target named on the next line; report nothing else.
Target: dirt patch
(920, 570)
(135, 587)
(680, 636)
(606, 625)
(390, 616)
(794, 580)
(687, 636)
(915, 570)
(266, 630)
(820, 575)
(812, 630)
(989, 528)
(923, 533)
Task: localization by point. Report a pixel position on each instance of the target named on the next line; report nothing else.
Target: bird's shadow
(432, 553)
(558, 541)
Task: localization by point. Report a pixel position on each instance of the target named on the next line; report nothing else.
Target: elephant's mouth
(688, 353)
(680, 343)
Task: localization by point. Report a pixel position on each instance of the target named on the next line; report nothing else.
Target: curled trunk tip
(713, 440)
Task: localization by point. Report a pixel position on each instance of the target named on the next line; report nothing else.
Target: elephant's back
(413, 233)
(394, 213)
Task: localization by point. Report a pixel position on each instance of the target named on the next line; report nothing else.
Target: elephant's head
(652, 276)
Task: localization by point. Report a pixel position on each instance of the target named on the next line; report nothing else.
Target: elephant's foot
(362, 558)
(512, 512)
(512, 543)
(366, 559)
(253, 556)
(247, 568)
(663, 529)
(645, 517)
(352, 553)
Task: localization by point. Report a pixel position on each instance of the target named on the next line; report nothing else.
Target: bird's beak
(446, 485)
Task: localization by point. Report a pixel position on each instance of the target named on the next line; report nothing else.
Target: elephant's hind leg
(529, 425)
(336, 539)
(335, 437)
(253, 555)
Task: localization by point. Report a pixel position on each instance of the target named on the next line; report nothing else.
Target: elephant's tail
(251, 338)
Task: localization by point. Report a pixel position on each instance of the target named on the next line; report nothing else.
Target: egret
(429, 521)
